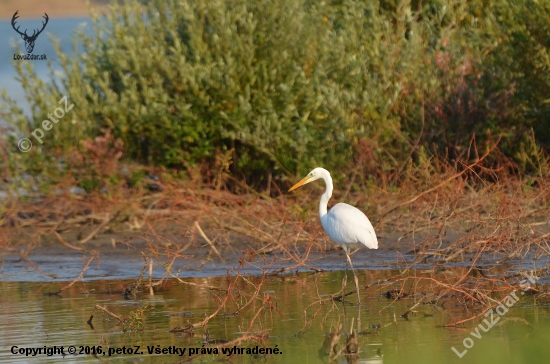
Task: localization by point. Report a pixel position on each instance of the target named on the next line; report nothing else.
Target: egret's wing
(346, 224)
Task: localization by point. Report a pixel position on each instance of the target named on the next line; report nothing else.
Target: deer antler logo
(29, 40)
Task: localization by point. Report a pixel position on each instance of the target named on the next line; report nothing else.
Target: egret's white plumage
(345, 225)
(348, 226)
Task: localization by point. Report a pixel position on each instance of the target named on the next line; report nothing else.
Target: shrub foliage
(281, 86)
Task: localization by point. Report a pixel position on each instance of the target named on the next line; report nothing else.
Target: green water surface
(296, 321)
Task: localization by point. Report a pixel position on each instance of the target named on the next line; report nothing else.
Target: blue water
(62, 29)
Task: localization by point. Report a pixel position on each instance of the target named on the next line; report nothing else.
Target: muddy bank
(125, 259)
(467, 248)
(123, 256)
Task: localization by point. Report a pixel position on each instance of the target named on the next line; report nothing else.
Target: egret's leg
(354, 277)
(345, 279)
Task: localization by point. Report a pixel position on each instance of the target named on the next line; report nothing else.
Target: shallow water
(31, 319)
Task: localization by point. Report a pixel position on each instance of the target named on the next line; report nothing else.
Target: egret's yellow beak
(299, 184)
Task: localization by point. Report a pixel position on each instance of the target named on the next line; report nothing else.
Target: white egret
(346, 225)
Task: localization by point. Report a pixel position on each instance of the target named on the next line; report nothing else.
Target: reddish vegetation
(467, 235)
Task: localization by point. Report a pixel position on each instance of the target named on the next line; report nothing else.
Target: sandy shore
(54, 8)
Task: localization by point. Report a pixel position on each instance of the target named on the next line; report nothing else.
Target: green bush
(281, 86)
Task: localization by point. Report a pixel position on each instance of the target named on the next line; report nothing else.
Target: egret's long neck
(326, 196)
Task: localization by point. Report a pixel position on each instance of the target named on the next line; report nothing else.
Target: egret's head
(312, 176)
